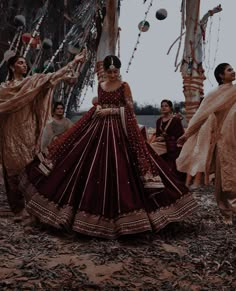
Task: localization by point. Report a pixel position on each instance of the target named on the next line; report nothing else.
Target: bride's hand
(103, 112)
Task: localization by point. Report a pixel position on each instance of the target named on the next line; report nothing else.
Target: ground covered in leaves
(198, 254)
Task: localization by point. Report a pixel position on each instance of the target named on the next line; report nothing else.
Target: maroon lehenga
(104, 180)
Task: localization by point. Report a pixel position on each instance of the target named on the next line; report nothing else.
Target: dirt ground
(197, 254)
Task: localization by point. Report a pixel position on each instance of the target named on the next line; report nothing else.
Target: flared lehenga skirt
(95, 188)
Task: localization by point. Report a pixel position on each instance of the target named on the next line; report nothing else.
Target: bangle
(114, 111)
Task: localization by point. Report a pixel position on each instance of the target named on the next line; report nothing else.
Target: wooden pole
(108, 40)
(191, 69)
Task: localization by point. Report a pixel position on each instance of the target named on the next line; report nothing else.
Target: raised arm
(65, 72)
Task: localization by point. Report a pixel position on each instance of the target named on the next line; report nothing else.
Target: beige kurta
(25, 107)
(211, 144)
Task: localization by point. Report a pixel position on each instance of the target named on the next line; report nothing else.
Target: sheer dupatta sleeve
(135, 138)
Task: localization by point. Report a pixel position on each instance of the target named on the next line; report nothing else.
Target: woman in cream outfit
(210, 141)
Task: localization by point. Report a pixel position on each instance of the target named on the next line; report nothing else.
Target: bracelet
(114, 111)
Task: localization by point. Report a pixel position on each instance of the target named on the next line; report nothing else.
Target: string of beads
(139, 35)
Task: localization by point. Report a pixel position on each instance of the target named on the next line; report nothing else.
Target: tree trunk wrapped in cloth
(191, 67)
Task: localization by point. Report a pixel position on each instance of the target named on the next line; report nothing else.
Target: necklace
(16, 81)
(163, 130)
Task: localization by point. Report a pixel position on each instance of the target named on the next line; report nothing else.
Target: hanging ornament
(8, 54)
(19, 20)
(48, 67)
(161, 14)
(36, 70)
(36, 42)
(26, 37)
(144, 26)
(47, 43)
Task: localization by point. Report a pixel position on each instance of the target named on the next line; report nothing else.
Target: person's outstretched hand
(80, 58)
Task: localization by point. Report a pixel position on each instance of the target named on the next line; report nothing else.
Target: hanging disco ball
(161, 14)
(144, 26)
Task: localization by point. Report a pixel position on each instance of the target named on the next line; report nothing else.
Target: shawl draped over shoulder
(24, 110)
(213, 127)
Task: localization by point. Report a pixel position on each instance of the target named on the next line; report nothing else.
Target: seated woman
(168, 129)
(100, 178)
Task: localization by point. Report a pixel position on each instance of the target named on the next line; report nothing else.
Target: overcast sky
(152, 75)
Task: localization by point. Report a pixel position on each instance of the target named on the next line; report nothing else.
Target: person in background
(209, 143)
(56, 127)
(25, 107)
(168, 129)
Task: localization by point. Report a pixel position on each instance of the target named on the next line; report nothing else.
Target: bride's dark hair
(111, 60)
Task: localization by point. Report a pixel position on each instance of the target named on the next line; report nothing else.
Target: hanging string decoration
(118, 42)
(46, 45)
(74, 99)
(139, 35)
(208, 43)
(83, 34)
(35, 35)
(71, 90)
(207, 60)
(86, 39)
(20, 22)
(76, 36)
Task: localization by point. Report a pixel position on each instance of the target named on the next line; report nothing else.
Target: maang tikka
(112, 67)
